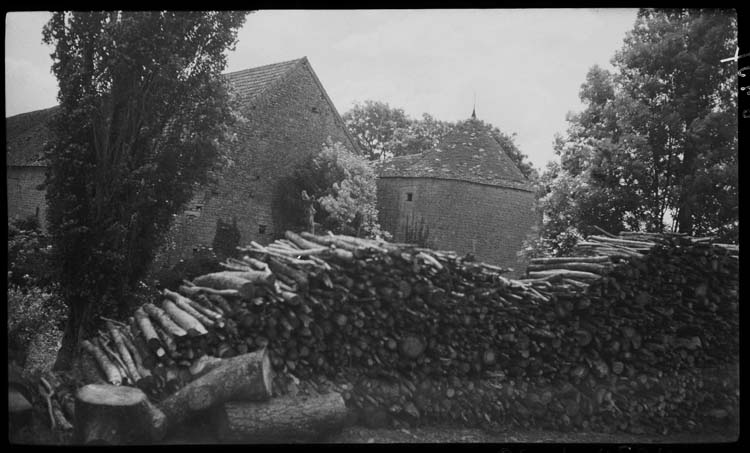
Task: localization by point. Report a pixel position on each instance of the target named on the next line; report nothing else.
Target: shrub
(343, 186)
(32, 310)
(28, 254)
(204, 261)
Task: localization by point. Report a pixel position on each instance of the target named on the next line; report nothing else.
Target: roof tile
(468, 153)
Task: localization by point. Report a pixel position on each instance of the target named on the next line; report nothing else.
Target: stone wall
(25, 198)
(490, 222)
(285, 124)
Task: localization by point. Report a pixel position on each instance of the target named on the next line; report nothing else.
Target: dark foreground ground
(40, 434)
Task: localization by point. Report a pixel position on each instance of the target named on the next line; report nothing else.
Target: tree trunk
(246, 376)
(72, 335)
(281, 420)
(116, 415)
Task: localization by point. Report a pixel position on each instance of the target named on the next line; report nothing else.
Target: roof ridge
(255, 68)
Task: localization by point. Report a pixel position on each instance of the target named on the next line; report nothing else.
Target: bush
(32, 310)
(28, 254)
(343, 186)
(204, 261)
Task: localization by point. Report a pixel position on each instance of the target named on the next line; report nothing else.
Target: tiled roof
(468, 153)
(27, 132)
(26, 135)
(249, 83)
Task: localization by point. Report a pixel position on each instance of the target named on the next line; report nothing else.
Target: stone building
(466, 195)
(288, 116)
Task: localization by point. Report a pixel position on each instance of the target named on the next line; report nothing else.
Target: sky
(525, 66)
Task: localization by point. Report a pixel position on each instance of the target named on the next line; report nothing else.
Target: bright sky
(525, 65)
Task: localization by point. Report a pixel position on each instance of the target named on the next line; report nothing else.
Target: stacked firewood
(414, 334)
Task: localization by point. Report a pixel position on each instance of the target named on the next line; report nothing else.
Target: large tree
(143, 119)
(373, 124)
(656, 146)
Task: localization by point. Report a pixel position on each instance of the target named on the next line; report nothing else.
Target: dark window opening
(261, 229)
(409, 196)
(314, 110)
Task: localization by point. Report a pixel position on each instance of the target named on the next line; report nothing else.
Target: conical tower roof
(468, 153)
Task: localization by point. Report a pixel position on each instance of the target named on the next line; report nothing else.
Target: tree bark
(246, 376)
(116, 415)
(281, 420)
(72, 336)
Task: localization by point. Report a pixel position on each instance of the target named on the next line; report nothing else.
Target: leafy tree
(373, 124)
(418, 136)
(343, 186)
(656, 146)
(143, 118)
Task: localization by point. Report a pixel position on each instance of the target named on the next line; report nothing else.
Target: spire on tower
(474, 109)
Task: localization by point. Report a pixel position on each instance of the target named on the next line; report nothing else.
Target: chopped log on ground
(123, 351)
(478, 337)
(243, 282)
(164, 320)
(281, 420)
(116, 415)
(147, 330)
(244, 377)
(109, 369)
(184, 319)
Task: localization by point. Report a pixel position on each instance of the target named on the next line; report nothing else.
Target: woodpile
(408, 334)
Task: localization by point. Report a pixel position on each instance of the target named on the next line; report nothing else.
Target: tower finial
(474, 109)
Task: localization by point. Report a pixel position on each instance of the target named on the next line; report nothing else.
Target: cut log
(411, 346)
(281, 420)
(234, 279)
(184, 319)
(116, 415)
(146, 328)
(587, 267)
(571, 259)
(137, 358)
(247, 377)
(565, 273)
(186, 305)
(300, 242)
(123, 351)
(108, 368)
(192, 290)
(164, 320)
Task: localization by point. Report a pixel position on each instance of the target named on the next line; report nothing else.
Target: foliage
(385, 132)
(418, 136)
(343, 186)
(29, 251)
(656, 146)
(143, 118)
(32, 310)
(204, 261)
(373, 124)
(227, 239)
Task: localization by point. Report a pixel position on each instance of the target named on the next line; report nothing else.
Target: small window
(409, 196)
(261, 229)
